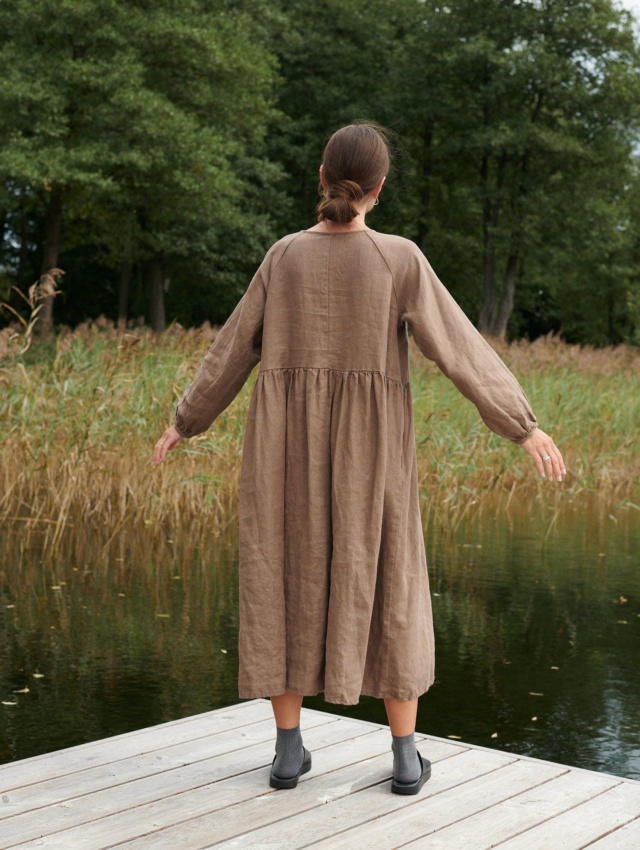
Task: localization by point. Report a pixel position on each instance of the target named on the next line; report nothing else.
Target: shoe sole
(413, 787)
(290, 782)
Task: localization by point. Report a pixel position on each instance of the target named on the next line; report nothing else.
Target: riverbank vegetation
(80, 413)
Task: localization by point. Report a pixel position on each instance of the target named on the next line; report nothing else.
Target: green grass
(79, 418)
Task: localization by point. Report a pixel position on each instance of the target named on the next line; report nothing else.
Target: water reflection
(550, 631)
(537, 631)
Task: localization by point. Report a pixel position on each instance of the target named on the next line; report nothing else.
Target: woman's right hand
(167, 442)
(546, 455)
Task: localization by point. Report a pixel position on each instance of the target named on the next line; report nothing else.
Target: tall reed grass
(79, 415)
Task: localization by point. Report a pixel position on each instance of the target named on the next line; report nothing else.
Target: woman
(334, 591)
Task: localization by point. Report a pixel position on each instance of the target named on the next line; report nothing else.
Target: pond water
(537, 621)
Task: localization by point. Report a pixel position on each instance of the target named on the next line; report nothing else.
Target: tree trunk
(123, 293)
(51, 252)
(155, 285)
(489, 307)
(506, 302)
(614, 336)
(23, 263)
(497, 306)
(425, 197)
(23, 254)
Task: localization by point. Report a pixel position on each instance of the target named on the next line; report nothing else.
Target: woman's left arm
(445, 335)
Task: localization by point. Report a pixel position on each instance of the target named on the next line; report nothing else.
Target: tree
(334, 59)
(132, 117)
(165, 147)
(523, 99)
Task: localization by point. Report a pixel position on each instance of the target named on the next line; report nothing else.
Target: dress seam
(331, 369)
(288, 244)
(393, 279)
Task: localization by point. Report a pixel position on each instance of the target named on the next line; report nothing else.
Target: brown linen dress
(334, 590)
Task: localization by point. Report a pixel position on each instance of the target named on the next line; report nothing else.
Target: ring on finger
(546, 457)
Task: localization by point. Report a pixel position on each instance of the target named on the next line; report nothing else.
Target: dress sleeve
(445, 335)
(235, 351)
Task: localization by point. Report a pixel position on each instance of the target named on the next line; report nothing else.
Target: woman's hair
(355, 160)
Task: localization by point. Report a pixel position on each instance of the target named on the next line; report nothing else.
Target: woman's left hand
(167, 442)
(546, 455)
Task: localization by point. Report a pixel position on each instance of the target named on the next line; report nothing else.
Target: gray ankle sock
(289, 754)
(406, 764)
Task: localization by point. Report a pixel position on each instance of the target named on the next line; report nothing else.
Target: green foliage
(182, 140)
(146, 118)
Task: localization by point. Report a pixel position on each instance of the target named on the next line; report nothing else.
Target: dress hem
(336, 699)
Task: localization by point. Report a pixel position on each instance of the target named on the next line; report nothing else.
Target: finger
(546, 460)
(553, 465)
(539, 464)
(557, 462)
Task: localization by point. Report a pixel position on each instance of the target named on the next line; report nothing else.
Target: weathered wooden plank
(178, 807)
(222, 760)
(317, 808)
(583, 824)
(516, 814)
(535, 760)
(106, 750)
(429, 812)
(191, 752)
(314, 791)
(626, 837)
(171, 770)
(202, 782)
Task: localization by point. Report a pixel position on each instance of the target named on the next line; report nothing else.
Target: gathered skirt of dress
(333, 582)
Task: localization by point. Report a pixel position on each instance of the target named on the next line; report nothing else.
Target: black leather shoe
(292, 781)
(413, 787)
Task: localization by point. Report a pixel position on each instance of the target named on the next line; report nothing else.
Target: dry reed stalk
(79, 422)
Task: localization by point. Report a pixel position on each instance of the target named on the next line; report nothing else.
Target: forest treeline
(154, 150)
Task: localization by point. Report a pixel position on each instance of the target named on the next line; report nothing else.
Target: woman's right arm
(236, 350)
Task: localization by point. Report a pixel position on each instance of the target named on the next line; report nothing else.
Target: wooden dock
(202, 782)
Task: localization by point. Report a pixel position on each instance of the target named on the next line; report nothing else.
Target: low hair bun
(348, 189)
(338, 204)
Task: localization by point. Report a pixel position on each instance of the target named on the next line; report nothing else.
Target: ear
(378, 188)
(323, 179)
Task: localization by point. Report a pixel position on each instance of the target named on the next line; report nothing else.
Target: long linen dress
(333, 583)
